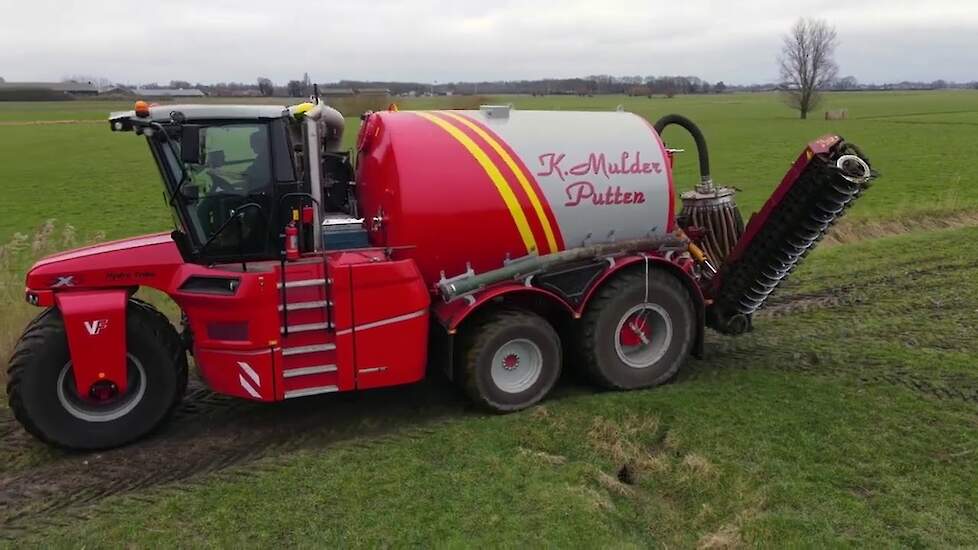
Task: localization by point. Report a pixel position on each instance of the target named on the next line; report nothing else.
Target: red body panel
(91, 284)
(246, 374)
(340, 272)
(390, 308)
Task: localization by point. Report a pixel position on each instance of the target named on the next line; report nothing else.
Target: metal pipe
(517, 269)
(314, 162)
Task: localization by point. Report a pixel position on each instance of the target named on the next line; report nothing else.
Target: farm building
(26, 91)
(169, 92)
(373, 91)
(336, 92)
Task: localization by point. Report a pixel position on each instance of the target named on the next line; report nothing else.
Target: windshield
(235, 169)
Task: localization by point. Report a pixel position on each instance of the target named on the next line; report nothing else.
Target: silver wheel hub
(643, 335)
(516, 365)
(89, 411)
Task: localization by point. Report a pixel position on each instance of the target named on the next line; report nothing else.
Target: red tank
(475, 187)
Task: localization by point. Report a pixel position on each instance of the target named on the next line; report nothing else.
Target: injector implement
(486, 244)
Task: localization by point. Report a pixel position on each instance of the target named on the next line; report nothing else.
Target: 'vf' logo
(96, 327)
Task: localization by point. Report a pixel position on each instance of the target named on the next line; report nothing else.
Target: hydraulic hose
(704, 155)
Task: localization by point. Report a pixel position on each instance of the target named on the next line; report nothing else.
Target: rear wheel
(637, 332)
(511, 360)
(43, 396)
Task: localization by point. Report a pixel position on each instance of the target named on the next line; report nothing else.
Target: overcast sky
(443, 40)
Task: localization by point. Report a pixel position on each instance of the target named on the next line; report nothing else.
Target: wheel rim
(643, 335)
(93, 411)
(516, 365)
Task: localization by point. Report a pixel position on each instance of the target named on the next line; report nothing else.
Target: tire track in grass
(728, 354)
(209, 434)
(217, 435)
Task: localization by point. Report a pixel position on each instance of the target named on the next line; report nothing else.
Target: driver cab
(236, 175)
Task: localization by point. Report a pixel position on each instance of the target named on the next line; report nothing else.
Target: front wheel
(511, 360)
(43, 397)
(638, 331)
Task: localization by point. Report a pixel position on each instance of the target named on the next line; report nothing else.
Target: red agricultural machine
(493, 244)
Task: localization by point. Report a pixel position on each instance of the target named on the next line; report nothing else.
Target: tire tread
(591, 319)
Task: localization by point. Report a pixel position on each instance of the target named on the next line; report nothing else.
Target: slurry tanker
(495, 245)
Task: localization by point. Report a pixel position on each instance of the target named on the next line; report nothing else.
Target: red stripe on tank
(548, 214)
(526, 203)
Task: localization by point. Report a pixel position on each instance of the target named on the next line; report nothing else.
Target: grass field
(849, 417)
(923, 142)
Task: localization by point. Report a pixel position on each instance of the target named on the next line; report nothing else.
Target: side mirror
(190, 193)
(190, 144)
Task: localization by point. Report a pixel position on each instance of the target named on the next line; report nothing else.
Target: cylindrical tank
(452, 189)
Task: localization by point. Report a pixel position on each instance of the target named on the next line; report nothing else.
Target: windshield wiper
(235, 215)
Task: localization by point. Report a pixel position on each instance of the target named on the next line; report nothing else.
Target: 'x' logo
(64, 281)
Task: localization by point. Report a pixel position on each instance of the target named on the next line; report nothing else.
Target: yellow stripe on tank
(520, 176)
(515, 210)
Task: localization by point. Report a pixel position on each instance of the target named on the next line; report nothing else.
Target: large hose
(709, 208)
(704, 155)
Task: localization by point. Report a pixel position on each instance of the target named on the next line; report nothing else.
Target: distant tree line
(585, 86)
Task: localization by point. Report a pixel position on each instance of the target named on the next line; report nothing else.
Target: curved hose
(694, 131)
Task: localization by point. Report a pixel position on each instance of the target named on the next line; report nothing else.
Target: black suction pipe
(694, 131)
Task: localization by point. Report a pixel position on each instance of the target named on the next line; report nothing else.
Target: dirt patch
(210, 433)
(698, 465)
(553, 460)
(732, 354)
(849, 230)
(799, 303)
(727, 536)
(614, 485)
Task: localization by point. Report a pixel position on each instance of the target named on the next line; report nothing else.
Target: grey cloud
(427, 40)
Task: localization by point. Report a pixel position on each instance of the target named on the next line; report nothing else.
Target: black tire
(40, 397)
(669, 308)
(527, 334)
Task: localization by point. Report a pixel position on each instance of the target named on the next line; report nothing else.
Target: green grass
(847, 418)
(85, 175)
(808, 432)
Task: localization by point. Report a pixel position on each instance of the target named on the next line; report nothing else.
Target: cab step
(305, 371)
(308, 327)
(303, 283)
(315, 348)
(311, 391)
(299, 306)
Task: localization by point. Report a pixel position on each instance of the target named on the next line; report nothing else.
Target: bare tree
(295, 88)
(807, 64)
(265, 86)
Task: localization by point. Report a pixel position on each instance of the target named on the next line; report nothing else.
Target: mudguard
(452, 314)
(95, 323)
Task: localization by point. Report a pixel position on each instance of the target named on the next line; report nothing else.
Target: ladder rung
(306, 282)
(311, 391)
(306, 305)
(299, 350)
(304, 371)
(306, 328)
